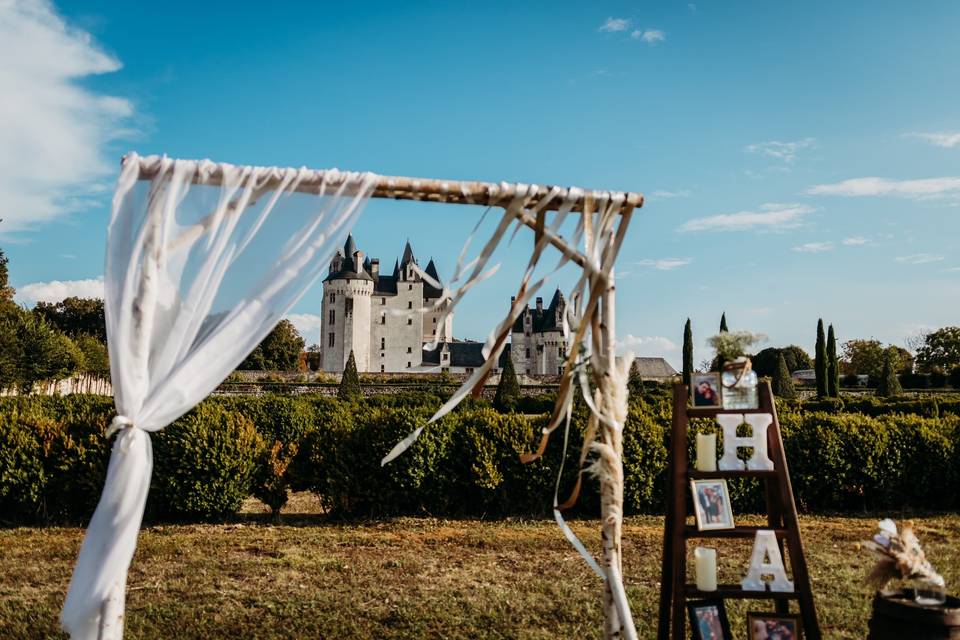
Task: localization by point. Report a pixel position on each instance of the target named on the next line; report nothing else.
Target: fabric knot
(119, 422)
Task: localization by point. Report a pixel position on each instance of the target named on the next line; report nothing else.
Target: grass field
(408, 578)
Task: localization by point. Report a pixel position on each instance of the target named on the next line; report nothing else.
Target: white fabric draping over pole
(197, 273)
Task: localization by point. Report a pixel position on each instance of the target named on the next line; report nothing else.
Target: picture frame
(708, 620)
(773, 626)
(711, 504)
(705, 390)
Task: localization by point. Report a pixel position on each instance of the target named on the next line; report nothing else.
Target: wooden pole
(427, 189)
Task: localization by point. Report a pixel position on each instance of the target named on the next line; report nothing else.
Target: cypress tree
(687, 353)
(718, 361)
(782, 383)
(889, 383)
(635, 380)
(833, 365)
(508, 389)
(350, 381)
(820, 361)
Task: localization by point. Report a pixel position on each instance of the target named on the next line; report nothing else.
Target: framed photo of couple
(711, 504)
(705, 390)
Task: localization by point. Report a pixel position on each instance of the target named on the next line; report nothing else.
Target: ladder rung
(717, 475)
(735, 591)
(736, 532)
(710, 412)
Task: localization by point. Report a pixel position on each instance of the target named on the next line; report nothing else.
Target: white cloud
(854, 241)
(52, 131)
(785, 151)
(649, 346)
(943, 139)
(650, 36)
(57, 290)
(919, 258)
(952, 269)
(921, 189)
(662, 194)
(613, 25)
(772, 217)
(308, 325)
(814, 247)
(665, 264)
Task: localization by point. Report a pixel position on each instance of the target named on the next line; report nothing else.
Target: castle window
(434, 321)
(528, 354)
(409, 304)
(446, 356)
(409, 349)
(382, 369)
(560, 370)
(332, 316)
(469, 370)
(383, 318)
(409, 321)
(333, 297)
(331, 338)
(560, 351)
(383, 301)
(409, 286)
(539, 348)
(444, 369)
(528, 370)
(383, 343)
(348, 306)
(408, 365)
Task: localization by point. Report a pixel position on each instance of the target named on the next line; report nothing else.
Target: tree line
(934, 362)
(58, 340)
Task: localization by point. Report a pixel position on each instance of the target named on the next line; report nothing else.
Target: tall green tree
(75, 316)
(635, 380)
(6, 291)
(508, 389)
(865, 357)
(350, 380)
(782, 382)
(765, 361)
(833, 365)
(32, 350)
(889, 383)
(820, 361)
(687, 353)
(723, 322)
(279, 351)
(939, 351)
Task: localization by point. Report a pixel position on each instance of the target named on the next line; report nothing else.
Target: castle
(381, 319)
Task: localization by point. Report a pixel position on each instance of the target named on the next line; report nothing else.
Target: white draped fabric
(203, 260)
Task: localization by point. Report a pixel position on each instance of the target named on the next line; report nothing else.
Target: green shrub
(205, 464)
(22, 478)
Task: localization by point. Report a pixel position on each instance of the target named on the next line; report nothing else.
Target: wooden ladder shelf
(781, 518)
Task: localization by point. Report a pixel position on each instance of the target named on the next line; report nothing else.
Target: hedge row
(53, 458)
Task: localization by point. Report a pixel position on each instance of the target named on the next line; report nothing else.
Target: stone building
(536, 343)
(378, 316)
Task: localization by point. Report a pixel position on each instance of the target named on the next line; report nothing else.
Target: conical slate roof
(407, 255)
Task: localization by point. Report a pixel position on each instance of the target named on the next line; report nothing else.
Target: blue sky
(799, 160)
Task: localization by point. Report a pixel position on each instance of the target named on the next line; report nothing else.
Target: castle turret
(345, 322)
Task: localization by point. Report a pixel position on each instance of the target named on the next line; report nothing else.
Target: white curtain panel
(203, 259)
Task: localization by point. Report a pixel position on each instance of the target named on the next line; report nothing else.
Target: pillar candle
(706, 561)
(706, 452)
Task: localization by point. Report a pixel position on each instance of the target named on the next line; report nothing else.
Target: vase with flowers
(737, 377)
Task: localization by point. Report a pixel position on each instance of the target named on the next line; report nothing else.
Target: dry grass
(408, 578)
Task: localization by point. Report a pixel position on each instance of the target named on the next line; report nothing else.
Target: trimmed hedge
(899, 453)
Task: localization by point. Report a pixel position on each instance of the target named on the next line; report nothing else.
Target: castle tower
(345, 322)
